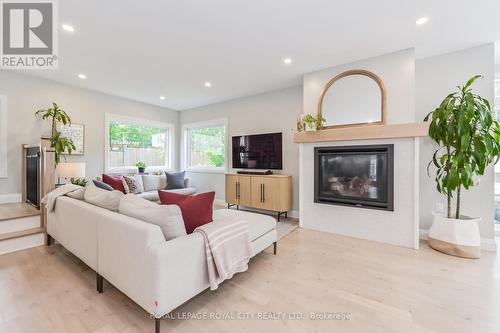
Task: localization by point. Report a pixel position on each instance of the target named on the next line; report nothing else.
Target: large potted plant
(59, 143)
(468, 136)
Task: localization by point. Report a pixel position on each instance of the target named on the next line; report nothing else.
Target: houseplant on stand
(59, 143)
(468, 136)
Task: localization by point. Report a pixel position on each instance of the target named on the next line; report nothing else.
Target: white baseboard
(423, 234)
(10, 198)
(487, 244)
(219, 202)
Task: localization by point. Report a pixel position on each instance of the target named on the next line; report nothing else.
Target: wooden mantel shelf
(368, 132)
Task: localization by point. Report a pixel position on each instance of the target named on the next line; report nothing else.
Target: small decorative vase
(141, 169)
(456, 237)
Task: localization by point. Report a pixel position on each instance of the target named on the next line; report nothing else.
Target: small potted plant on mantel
(141, 166)
(468, 136)
(310, 123)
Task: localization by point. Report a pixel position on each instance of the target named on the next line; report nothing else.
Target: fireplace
(359, 176)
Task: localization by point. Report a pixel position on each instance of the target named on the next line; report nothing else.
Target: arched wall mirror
(355, 97)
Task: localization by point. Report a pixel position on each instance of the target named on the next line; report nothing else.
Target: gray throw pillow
(102, 185)
(175, 180)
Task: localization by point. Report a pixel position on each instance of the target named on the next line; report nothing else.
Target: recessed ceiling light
(208, 84)
(68, 28)
(421, 21)
(162, 98)
(82, 76)
(287, 61)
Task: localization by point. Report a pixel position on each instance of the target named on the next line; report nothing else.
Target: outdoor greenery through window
(206, 147)
(497, 166)
(131, 143)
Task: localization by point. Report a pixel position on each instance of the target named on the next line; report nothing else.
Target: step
(18, 224)
(22, 239)
(11, 211)
(21, 233)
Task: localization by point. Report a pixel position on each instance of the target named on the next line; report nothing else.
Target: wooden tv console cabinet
(267, 192)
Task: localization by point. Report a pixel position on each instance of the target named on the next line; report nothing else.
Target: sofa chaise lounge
(134, 256)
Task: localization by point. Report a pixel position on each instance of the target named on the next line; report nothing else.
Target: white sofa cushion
(258, 224)
(154, 182)
(103, 198)
(167, 217)
(78, 194)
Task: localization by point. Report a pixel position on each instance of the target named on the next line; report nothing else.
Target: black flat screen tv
(259, 151)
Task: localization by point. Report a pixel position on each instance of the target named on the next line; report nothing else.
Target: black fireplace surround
(359, 176)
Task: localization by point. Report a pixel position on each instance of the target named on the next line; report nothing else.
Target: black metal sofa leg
(275, 247)
(157, 325)
(49, 240)
(99, 282)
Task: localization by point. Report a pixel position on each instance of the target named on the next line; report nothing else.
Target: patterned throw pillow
(133, 184)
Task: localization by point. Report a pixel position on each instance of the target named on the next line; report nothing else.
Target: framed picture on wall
(75, 132)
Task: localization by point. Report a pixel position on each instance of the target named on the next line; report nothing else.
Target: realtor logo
(29, 35)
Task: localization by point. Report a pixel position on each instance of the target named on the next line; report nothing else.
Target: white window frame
(184, 151)
(109, 117)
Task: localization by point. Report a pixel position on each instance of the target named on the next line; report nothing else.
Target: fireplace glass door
(360, 176)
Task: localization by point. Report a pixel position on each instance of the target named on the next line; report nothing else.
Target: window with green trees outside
(206, 147)
(130, 143)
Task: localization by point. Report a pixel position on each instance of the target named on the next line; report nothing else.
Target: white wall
(397, 71)
(26, 94)
(399, 227)
(435, 78)
(3, 136)
(271, 112)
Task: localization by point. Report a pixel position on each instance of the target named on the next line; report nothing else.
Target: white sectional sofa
(134, 256)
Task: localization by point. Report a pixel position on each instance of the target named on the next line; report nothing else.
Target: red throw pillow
(115, 182)
(196, 209)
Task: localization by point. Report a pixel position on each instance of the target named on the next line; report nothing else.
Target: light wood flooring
(383, 288)
(11, 211)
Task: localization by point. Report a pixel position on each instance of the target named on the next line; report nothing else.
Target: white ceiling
(144, 49)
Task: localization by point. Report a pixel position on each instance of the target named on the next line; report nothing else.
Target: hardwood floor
(383, 288)
(11, 211)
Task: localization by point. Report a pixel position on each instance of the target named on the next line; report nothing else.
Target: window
(205, 146)
(130, 140)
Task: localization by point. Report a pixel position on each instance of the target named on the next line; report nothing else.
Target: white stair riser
(19, 224)
(21, 243)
